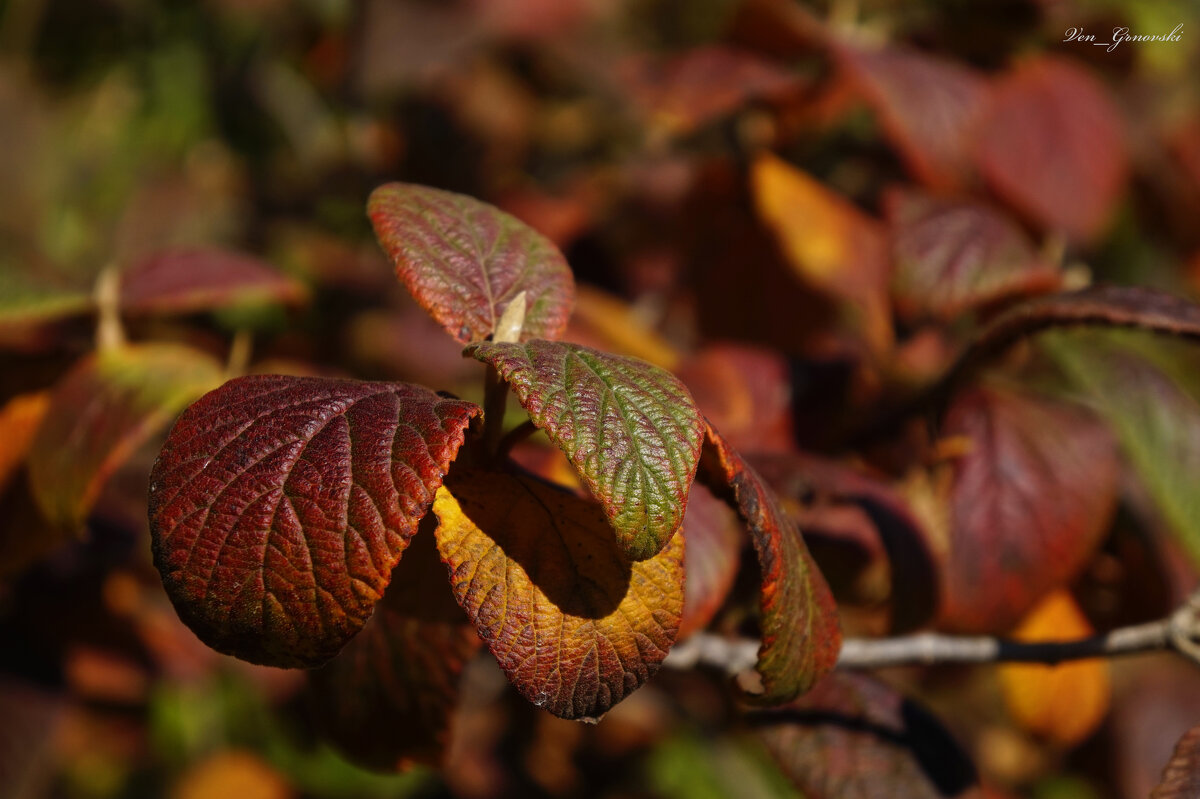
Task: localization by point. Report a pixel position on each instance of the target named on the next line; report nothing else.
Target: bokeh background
(739, 187)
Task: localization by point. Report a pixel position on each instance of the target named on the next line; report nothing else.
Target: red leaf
(389, 695)
(629, 428)
(1031, 501)
(712, 535)
(800, 632)
(186, 281)
(573, 622)
(464, 261)
(953, 256)
(280, 505)
(746, 392)
(854, 736)
(1052, 145)
(683, 93)
(930, 108)
(101, 412)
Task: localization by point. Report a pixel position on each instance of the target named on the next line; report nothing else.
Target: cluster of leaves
(840, 243)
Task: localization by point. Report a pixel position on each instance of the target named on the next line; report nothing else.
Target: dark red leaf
(854, 736)
(801, 636)
(464, 261)
(388, 697)
(1031, 501)
(186, 281)
(1052, 145)
(930, 108)
(280, 505)
(682, 93)
(953, 256)
(630, 429)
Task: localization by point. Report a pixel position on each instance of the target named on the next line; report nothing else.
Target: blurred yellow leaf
(19, 421)
(1062, 703)
(831, 245)
(607, 322)
(231, 773)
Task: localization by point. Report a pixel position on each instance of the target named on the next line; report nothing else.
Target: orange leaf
(19, 421)
(232, 773)
(831, 245)
(575, 624)
(1064, 703)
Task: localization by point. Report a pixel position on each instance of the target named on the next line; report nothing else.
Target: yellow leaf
(235, 774)
(1063, 703)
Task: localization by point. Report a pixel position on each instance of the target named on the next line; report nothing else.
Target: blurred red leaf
(1052, 145)
(746, 392)
(1031, 501)
(931, 108)
(953, 256)
(389, 695)
(1157, 702)
(100, 412)
(280, 505)
(854, 736)
(801, 636)
(186, 281)
(682, 93)
(819, 485)
(712, 551)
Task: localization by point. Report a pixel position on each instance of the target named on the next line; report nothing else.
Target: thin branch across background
(1179, 632)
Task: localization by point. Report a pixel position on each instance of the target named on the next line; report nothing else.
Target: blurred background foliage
(635, 134)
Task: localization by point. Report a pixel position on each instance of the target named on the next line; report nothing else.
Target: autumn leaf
(712, 551)
(854, 736)
(464, 261)
(387, 699)
(630, 429)
(1052, 145)
(20, 419)
(831, 245)
(575, 624)
(232, 773)
(1032, 498)
(954, 256)
(1181, 777)
(745, 392)
(930, 107)
(1064, 703)
(280, 505)
(186, 281)
(801, 636)
(101, 412)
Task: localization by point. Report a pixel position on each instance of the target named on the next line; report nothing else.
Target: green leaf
(280, 505)
(100, 412)
(464, 261)
(630, 429)
(1152, 406)
(801, 636)
(573, 622)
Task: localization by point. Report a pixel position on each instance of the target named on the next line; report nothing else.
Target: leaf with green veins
(630, 429)
(100, 412)
(464, 261)
(280, 505)
(801, 636)
(573, 622)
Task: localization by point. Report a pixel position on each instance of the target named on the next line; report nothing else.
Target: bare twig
(1179, 632)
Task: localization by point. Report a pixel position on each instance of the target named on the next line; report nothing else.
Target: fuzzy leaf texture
(575, 624)
(801, 636)
(630, 429)
(464, 261)
(280, 505)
